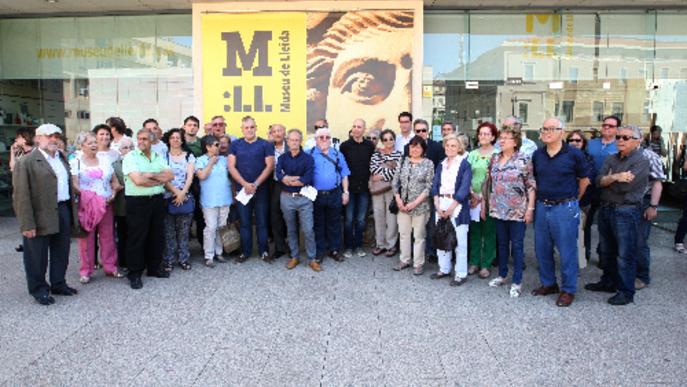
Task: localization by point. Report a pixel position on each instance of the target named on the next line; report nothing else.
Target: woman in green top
(482, 237)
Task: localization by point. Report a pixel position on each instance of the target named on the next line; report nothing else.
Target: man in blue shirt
(294, 171)
(562, 176)
(330, 178)
(251, 162)
(599, 149)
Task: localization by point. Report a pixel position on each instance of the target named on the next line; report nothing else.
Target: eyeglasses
(607, 126)
(126, 147)
(319, 127)
(420, 130)
(324, 137)
(625, 138)
(386, 139)
(371, 138)
(215, 144)
(574, 140)
(549, 130)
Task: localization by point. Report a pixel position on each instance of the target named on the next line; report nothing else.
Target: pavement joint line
(195, 381)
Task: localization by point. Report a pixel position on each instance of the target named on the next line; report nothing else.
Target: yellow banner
(255, 64)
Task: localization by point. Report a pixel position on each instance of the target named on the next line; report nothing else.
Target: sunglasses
(215, 144)
(549, 130)
(386, 139)
(574, 140)
(319, 127)
(371, 138)
(624, 138)
(420, 130)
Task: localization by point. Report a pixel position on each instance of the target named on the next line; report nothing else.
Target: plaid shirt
(655, 168)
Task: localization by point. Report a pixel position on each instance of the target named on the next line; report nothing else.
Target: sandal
(473, 269)
(115, 274)
(185, 265)
(391, 252)
(484, 273)
(377, 250)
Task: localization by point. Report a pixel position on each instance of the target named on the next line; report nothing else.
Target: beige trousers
(416, 225)
(386, 227)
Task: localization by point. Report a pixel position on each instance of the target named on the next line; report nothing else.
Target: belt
(619, 205)
(292, 194)
(555, 202)
(446, 195)
(63, 202)
(328, 192)
(145, 196)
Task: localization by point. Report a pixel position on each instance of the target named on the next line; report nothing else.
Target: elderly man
(145, 173)
(528, 146)
(623, 179)
(216, 127)
(294, 171)
(599, 149)
(157, 145)
(435, 151)
(562, 176)
(251, 162)
(652, 196)
(358, 153)
(330, 178)
(405, 120)
(277, 225)
(43, 203)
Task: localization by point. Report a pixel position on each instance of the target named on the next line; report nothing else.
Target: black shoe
(64, 291)
(337, 256)
(620, 299)
(458, 281)
(135, 283)
(600, 287)
(158, 274)
(45, 300)
(241, 259)
(19, 248)
(277, 254)
(439, 275)
(266, 257)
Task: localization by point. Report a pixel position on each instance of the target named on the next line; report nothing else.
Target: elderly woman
(411, 185)
(482, 246)
(451, 193)
(126, 144)
(577, 139)
(96, 185)
(177, 225)
(374, 135)
(510, 198)
(215, 197)
(383, 166)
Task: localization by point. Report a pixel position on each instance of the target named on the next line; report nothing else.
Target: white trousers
(215, 218)
(444, 257)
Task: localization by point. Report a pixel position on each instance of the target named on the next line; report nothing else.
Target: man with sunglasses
(623, 179)
(599, 149)
(562, 175)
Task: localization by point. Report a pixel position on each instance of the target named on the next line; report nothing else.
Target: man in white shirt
(405, 123)
(157, 146)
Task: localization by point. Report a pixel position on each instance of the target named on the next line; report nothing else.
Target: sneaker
(680, 248)
(496, 282)
(209, 263)
(348, 253)
(360, 252)
(515, 290)
(85, 279)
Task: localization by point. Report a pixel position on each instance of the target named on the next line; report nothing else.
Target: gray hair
(515, 121)
(82, 137)
(636, 130)
(560, 124)
(297, 131)
(321, 131)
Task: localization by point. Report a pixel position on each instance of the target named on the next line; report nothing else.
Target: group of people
(133, 203)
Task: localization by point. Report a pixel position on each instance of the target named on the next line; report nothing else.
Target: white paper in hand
(243, 197)
(475, 212)
(309, 192)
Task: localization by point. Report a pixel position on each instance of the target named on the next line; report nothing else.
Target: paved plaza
(355, 323)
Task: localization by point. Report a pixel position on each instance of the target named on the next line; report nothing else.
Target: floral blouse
(411, 180)
(385, 164)
(509, 185)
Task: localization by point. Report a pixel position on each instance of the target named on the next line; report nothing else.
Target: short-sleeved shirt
(625, 193)
(136, 161)
(325, 176)
(599, 151)
(215, 190)
(557, 176)
(178, 167)
(479, 164)
(250, 157)
(195, 147)
(655, 168)
(93, 178)
(510, 184)
(358, 156)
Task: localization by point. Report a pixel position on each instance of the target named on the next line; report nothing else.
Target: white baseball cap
(48, 130)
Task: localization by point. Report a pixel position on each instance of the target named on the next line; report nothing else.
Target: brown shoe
(484, 273)
(315, 266)
(377, 250)
(545, 290)
(565, 299)
(337, 256)
(293, 262)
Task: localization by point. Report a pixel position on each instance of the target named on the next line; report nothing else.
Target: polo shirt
(625, 193)
(325, 176)
(250, 157)
(557, 176)
(136, 161)
(195, 147)
(358, 156)
(599, 151)
(302, 166)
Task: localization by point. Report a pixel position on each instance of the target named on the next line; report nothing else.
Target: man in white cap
(42, 203)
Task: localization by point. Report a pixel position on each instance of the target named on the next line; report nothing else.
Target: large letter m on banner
(236, 49)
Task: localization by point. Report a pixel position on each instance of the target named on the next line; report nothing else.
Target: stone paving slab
(357, 323)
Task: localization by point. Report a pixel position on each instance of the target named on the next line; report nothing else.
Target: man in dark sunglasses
(622, 179)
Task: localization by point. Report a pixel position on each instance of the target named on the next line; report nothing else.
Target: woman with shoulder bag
(215, 197)
(411, 185)
(383, 166)
(180, 202)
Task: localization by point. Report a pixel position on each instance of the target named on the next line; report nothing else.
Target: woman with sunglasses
(577, 139)
(385, 160)
(215, 197)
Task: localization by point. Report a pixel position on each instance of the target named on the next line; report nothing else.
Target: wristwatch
(654, 206)
(345, 192)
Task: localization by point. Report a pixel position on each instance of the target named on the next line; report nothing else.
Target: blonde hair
(458, 139)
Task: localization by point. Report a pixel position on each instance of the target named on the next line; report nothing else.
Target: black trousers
(277, 225)
(145, 217)
(122, 232)
(36, 252)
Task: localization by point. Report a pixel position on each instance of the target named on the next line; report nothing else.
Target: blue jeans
(510, 235)
(356, 211)
(259, 204)
(619, 246)
(644, 260)
(557, 225)
(297, 210)
(328, 222)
